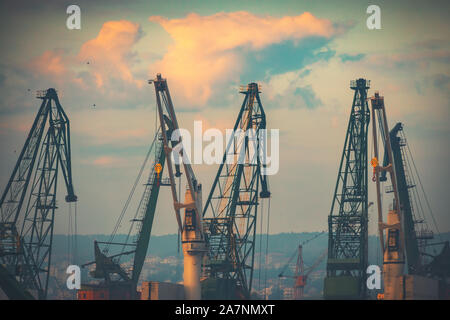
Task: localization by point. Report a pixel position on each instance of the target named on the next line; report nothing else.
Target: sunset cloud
(303, 63)
(50, 62)
(107, 161)
(208, 50)
(110, 54)
(100, 62)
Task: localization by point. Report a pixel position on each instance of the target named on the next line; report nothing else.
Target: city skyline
(303, 54)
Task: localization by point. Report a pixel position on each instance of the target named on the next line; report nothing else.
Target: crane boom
(317, 262)
(393, 248)
(106, 267)
(411, 242)
(149, 200)
(231, 210)
(191, 226)
(26, 235)
(300, 277)
(348, 219)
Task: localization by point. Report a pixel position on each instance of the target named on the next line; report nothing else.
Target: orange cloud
(109, 54)
(202, 55)
(49, 63)
(106, 161)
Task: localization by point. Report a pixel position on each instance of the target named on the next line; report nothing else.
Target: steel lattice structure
(347, 222)
(108, 265)
(231, 209)
(26, 232)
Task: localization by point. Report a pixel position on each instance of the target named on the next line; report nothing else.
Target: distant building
(288, 293)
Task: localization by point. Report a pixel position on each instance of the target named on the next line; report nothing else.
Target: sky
(302, 53)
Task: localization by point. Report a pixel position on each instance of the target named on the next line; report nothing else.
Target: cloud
(15, 123)
(103, 71)
(49, 63)
(351, 58)
(104, 62)
(106, 161)
(433, 84)
(109, 54)
(308, 96)
(132, 127)
(292, 90)
(209, 51)
(406, 60)
(441, 81)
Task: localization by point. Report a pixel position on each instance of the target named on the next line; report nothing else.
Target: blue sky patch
(351, 58)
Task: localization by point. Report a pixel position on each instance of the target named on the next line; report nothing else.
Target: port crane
(27, 218)
(301, 273)
(348, 219)
(231, 209)
(191, 224)
(118, 282)
(417, 232)
(391, 232)
(407, 232)
(194, 241)
(412, 238)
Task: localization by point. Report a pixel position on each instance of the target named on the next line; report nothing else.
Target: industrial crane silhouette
(231, 209)
(301, 273)
(414, 204)
(26, 226)
(348, 220)
(403, 242)
(118, 283)
(190, 225)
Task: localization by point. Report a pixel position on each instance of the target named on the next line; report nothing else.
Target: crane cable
(260, 245)
(155, 138)
(296, 251)
(75, 235)
(69, 235)
(141, 202)
(130, 196)
(423, 190)
(267, 250)
(179, 260)
(72, 234)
